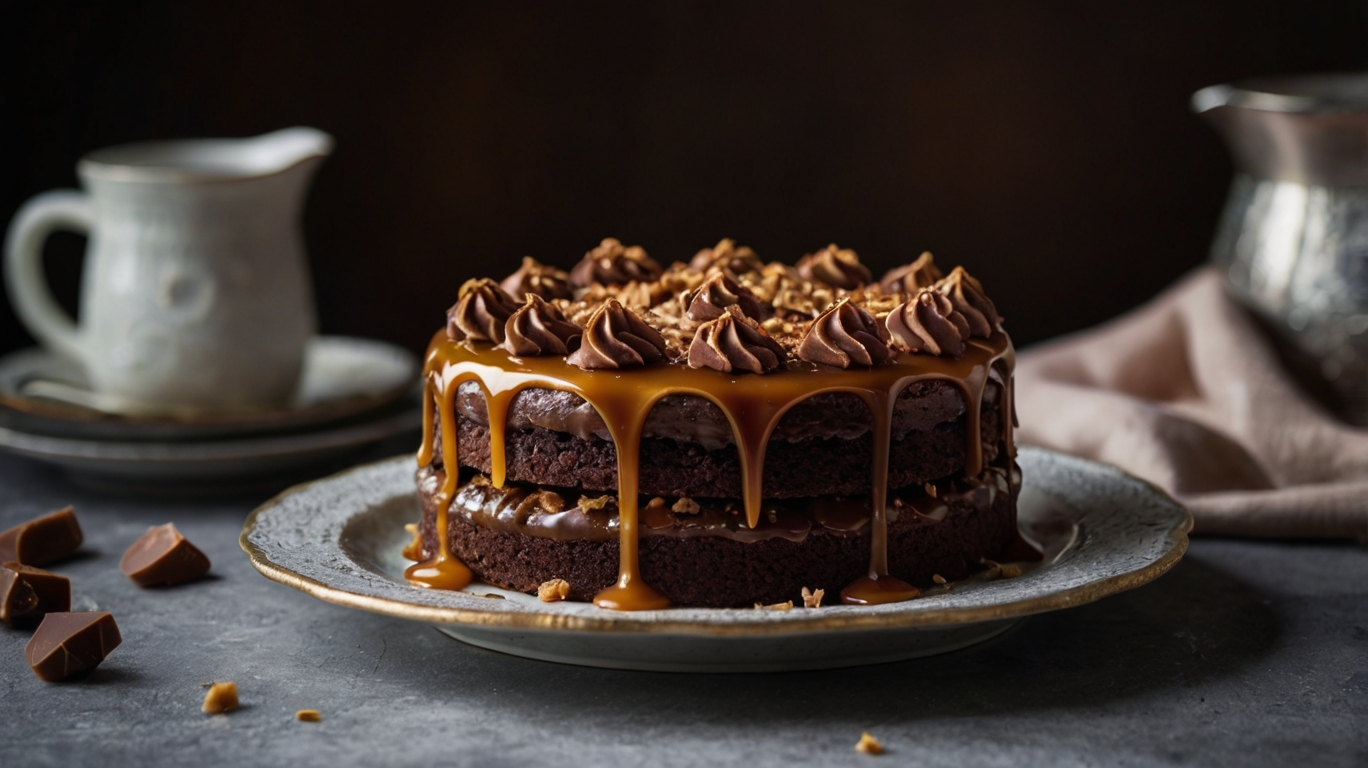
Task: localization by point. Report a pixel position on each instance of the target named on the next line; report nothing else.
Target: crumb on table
(220, 699)
(869, 745)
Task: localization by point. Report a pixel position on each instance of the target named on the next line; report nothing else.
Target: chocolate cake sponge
(717, 571)
(926, 450)
(816, 467)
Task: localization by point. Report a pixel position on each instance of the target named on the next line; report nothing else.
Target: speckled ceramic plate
(1103, 532)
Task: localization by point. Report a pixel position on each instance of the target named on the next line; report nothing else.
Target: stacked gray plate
(353, 393)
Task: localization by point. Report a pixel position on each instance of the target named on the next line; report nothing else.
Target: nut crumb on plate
(308, 716)
(784, 606)
(414, 549)
(553, 591)
(999, 570)
(813, 599)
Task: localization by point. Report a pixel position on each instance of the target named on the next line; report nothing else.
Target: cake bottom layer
(520, 536)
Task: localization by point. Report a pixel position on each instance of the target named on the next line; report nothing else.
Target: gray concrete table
(1247, 653)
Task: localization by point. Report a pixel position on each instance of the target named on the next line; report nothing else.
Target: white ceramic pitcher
(196, 293)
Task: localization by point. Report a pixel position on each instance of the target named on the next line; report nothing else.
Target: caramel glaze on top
(752, 403)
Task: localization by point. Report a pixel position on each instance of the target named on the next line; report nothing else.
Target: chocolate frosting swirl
(612, 264)
(616, 338)
(928, 322)
(910, 278)
(845, 335)
(480, 312)
(539, 279)
(967, 295)
(837, 267)
(538, 328)
(710, 300)
(734, 343)
(727, 256)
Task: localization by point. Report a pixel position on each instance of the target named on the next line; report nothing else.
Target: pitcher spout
(1305, 129)
(194, 160)
(281, 150)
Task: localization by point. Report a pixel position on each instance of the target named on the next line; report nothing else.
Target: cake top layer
(725, 310)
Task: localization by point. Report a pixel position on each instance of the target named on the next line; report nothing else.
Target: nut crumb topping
(308, 716)
(586, 503)
(869, 745)
(553, 591)
(220, 699)
(1010, 570)
(784, 299)
(939, 579)
(813, 599)
(686, 506)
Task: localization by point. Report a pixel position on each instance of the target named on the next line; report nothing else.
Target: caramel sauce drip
(753, 404)
(442, 570)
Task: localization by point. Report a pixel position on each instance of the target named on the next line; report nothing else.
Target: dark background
(1048, 147)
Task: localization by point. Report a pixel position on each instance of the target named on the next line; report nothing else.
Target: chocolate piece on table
(163, 556)
(17, 599)
(66, 644)
(27, 593)
(42, 540)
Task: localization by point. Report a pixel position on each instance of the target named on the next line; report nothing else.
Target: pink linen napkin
(1185, 392)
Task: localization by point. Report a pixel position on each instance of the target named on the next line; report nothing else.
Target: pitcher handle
(63, 209)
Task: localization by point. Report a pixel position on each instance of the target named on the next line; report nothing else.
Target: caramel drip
(442, 570)
(1001, 373)
(497, 406)
(753, 405)
(426, 450)
(878, 586)
(971, 387)
(631, 592)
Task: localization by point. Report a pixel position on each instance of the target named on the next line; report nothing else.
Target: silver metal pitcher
(1294, 235)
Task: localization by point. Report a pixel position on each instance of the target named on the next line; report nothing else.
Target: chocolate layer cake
(718, 433)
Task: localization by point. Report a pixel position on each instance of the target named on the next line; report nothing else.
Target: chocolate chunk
(27, 594)
(17, 598)
(163, 556)
(43, 540)
(66, 644)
